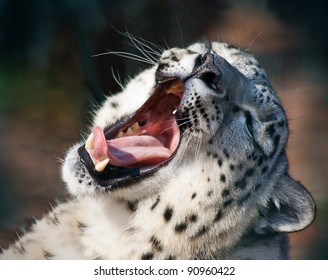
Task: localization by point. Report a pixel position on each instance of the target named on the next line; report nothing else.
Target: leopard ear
(290, 208)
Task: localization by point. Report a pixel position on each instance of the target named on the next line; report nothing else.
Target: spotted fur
(226, 193)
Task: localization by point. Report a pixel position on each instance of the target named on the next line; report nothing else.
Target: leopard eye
(249, 123)
(199, 60)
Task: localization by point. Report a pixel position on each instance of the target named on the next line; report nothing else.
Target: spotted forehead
(182, 60)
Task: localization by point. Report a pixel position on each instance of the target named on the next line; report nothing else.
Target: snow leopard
(188, 161)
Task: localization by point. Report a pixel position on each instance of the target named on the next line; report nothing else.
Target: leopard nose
(206, 69)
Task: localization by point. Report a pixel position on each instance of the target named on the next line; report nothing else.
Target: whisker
(152, 55)
(199, 144)
(166, 44)
(126, 55)
(144, 42)
(145, 53)
(183, 149)
(254, 40)
(180, 30)
(145, 46)
(117, 78)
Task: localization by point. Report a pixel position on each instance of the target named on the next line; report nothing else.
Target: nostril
(210, 78)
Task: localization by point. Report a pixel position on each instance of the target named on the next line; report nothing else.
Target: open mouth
(141, 143)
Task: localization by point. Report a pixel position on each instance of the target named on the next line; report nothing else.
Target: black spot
(201, 231)
(162, 66)
(264, 170)
(114, 105)
(193, 218)
(230, 46)
(270, 130)
(156, 203)
(276, 141)
(210, 142)
(225, 192)
(235, 109)
(193, 195)
(244, 199)
(226, 153)
(257, 187)
(168, 214)
(249, 172)
(48, 255)
(180, 227)
(218, 215)
(156, 244)
(208, 179)
(260, 161)
(210, 192)
(220, 162)
(174, 58)
(81, 226)
(222, 178)
(133, 205)
(241, 184)
(80, 181)
(232, 167)
(281, 123)
(227, 202)
(147, 256)
(268, 99)
(170, 257)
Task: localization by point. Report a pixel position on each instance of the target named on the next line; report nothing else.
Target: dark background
(50, 82)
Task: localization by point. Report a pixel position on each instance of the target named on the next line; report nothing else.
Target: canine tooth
(89, 142)
(100, 166)
(135, 126)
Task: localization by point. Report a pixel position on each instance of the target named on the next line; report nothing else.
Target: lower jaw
(114, 177)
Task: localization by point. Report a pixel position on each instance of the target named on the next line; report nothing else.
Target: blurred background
(50, 82)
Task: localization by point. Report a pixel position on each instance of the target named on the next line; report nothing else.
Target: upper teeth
(89, 142)
(135, 126)
(131, 130)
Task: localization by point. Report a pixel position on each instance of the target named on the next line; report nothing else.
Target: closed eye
(199, 60)
(249, 123)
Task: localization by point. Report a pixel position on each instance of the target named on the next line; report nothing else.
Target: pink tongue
(131, 151)
(137, 151)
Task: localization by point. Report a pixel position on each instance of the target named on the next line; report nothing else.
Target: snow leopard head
(207, 114)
